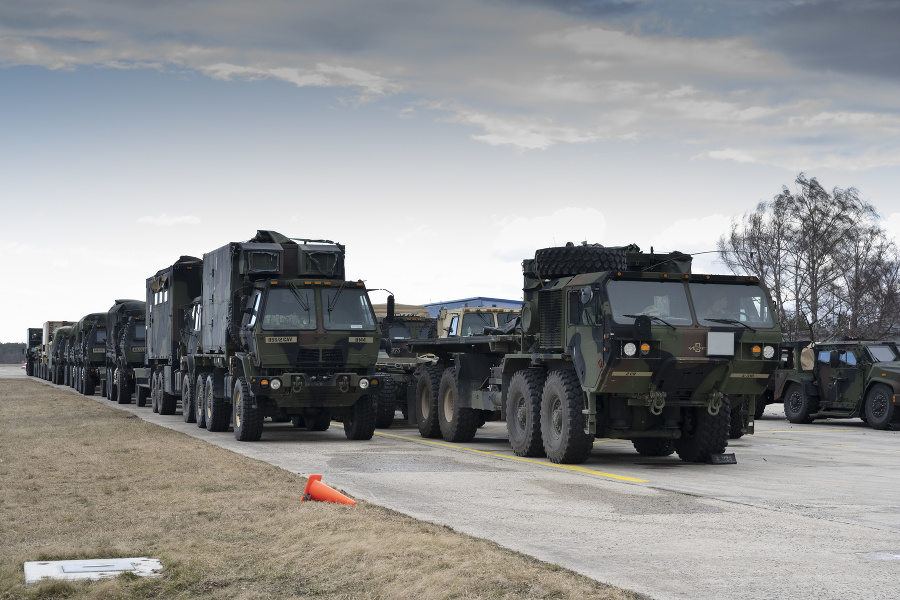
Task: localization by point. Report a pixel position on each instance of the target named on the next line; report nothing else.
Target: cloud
(165, 220)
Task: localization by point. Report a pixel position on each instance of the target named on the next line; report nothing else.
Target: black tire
(29, 368)
(88, 385)
(123, 391)
(703, 434)
(798, 406)
(881, 411)
(653, 446)
(188, 400)
(457, 423)
(140, 396)
(154, 392)
(167, 403)
(103, 391)
(562, 422)
(387, 403)
(248, 419)
(298, 421)
(200, 403)
(563, 261)
(523, 412)
(320, 421)
(112, 392)
(761, 402)
(736, 425)
(426, 402)
(359, 421)
(218, 412)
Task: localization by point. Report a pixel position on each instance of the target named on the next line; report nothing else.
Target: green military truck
(840, 380)
(33, 352)
(87, 353)
(43, 368)
(57, 355)
(614, 343)
(279, 332)
(126, 344)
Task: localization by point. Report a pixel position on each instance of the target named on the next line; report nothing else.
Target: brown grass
(82, 480)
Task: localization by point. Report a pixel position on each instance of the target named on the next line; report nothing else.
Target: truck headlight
(363, 384)
(630, 349)
(768, 352)
(276, 384)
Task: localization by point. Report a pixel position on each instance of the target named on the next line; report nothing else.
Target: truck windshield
(99, 336)
(882, 353)
(140, 332)
(474, 323)
(664, 299)
(347, 309)
(504, 318)
(399, 331)
(745, 303)
(289, 309)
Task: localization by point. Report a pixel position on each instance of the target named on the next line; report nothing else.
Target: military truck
(452, 322)
(614, 343)
(33, 352)
(88, 353)
(126, 344)
(840, 380)
(279, 332)
(46, 337)
(168, 291)
(57, 355)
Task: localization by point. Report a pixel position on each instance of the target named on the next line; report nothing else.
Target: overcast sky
(442, 143)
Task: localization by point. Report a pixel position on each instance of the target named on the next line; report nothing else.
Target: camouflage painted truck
(126, 344)
(44, 369)
(613, 343)
(87, 353)
(57, 355)
(33, 352)
(279, 332)
(841, 380)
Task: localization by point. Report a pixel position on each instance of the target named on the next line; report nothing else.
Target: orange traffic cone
(316, 490)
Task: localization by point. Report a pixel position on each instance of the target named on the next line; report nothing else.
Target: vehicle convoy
(42, 367)
(33, 351)
(57, 351)
(843, 379)
(87, 353)
(614, 343)
(126, 344)
(275, 332)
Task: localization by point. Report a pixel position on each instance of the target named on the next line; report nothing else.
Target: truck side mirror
(390, 309)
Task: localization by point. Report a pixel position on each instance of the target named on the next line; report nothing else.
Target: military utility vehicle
(279, 332)
(33, 351)
(841, 380)
(57, 355)
(453, 322)
(87, 353)
(126, 344)
(46, 337)
(615, 343)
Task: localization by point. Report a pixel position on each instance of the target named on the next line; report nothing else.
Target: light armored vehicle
(33, 352)
(614, 343)
(843, 379)
(126, 345)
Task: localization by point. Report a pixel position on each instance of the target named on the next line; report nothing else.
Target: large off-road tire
(523, 412)
(703, 434)
(457, 423)
(200, 402)
(562, 422)
(427, 400)
(248, 419)
(88, 385)
(563, 261)
(761, 401)
(881, 412)
(166, 403)
(736, 426)
(154, 392)
(140, 395)
(123, 390)
(359, 422)
(387, 403)
(653, 446)
(188, 399)
(218, 411)
(798, 406)
(112, 392)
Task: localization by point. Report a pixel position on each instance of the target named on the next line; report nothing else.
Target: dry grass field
(82, 480)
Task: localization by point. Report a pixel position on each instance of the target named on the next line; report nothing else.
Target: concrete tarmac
(808, 511)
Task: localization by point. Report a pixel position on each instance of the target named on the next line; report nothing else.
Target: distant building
(479, 301)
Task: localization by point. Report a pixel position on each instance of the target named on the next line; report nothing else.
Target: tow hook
(715, 403)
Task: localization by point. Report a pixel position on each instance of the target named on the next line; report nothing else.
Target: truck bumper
(303, 390)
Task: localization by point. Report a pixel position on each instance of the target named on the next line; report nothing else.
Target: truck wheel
(103, 392)
(562, 422)
(653, 446)
(88, 387)
(113, 386)
(188, 400)
(200, 402)
(123, 394)
(320, 421)
(387, 403)
(563, 261)
(167, 402)
(736, 426)
(427, 400)
(457, 423)
(298, 421)
(880, 409)
(140, 396)
(359, 422)
(248, 420)
(154, 393)
(218, 413)
(523, 412)
(798, 406)
(703, 434)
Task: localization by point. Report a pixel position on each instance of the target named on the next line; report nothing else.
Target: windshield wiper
(334, 300)
(303, 303)
(652, 317)
(730, 321)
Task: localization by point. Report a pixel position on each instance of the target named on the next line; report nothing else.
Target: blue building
(479, 301)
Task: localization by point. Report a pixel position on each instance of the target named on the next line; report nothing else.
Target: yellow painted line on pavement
(840, 445)
(804, 431)
(575, 468)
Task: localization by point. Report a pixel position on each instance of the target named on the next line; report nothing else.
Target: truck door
(840, 378)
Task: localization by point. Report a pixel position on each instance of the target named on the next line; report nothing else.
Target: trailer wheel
(200, 402)
(703, 434)
(880, 409)
(387, 403)
(523, 412)
(653, 446)
(457, 423)
(248, 419)
(563, 261)
(320, 421)
(798, 406)
(218, 413)
(188, 400)
(562, 422)
(140, 395)
(427, 400)
(123, 393)
(359, 421)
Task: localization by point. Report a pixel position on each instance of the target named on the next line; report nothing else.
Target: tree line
(823, 255)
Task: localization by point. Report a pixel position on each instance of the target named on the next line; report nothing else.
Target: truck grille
(333, 356)
(551, 317)
(330, 357)
(307, 356)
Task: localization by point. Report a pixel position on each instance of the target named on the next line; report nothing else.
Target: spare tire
(564, 261)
